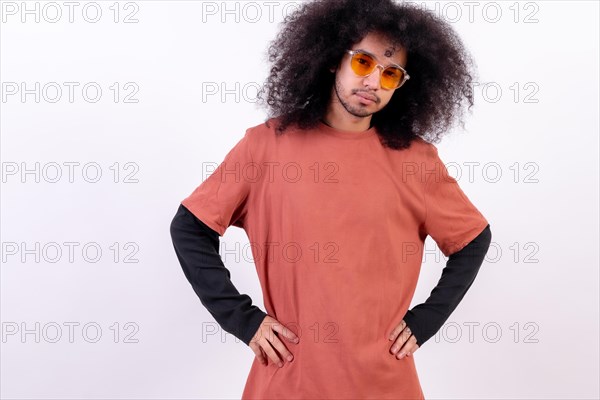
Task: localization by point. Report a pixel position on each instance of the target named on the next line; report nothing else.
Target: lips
(366, 96)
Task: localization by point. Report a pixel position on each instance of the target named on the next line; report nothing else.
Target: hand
(264, 340)
(405, 343)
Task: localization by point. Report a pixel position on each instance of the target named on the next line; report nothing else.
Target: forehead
(382, 48)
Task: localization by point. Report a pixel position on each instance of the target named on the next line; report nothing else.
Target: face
(350, 90)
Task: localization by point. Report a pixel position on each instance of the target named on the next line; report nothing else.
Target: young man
(337, 194)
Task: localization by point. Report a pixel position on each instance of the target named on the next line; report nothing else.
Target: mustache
(369, 93)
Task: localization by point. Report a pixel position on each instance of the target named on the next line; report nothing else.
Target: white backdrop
(111, 114)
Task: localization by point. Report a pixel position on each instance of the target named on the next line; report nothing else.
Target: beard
(357, 111)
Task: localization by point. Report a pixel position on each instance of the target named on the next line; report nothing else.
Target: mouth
(365, 97)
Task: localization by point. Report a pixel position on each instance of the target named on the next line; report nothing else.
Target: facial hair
(356, 111)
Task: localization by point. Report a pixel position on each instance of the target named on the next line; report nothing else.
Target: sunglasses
(363, 64)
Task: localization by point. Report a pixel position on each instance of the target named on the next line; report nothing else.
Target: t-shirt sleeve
(221, 199)
(451, 219)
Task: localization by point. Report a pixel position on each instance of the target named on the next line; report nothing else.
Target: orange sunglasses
(363, 64)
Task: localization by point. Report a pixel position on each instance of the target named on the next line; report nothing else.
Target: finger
(256, 338)
(397, 330)
(398, 344)
(415, 348)
(409, 347)
(286, 333)
(280, 347)
(401, 326)
(258, 352)
(263, 357)
(271, 354)
(412, 350)
(402, 338)
(268, 330)
(278, 344)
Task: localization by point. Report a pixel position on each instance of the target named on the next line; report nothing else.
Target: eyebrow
(375, 57)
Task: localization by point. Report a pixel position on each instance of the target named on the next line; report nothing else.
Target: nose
(374, 79)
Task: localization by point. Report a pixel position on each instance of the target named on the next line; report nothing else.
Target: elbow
(487, 236)
(484, 240)
(175, 227)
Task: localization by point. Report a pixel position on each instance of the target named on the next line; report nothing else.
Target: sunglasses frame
(354, 52)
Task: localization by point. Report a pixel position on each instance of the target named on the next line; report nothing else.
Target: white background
(534, 303)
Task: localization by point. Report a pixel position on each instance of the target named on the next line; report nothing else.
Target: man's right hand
(265, 342)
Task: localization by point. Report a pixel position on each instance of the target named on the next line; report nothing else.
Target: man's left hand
(404, 342)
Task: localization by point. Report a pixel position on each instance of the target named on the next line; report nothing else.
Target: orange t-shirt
(336, 224)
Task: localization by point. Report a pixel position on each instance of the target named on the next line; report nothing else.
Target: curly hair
(314, 38)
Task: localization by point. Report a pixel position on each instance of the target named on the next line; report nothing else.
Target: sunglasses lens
(362, 64)
(391, 77)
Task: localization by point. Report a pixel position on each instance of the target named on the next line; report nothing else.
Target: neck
(355, 124)
(337, 117)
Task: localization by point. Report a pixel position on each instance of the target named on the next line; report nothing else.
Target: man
(337, 194)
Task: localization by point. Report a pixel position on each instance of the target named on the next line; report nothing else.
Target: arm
(424, 320)
(197, 248)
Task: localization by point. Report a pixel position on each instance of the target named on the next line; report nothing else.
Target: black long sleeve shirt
(197, 248)
(425, 319)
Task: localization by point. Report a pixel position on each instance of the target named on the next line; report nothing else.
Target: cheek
(347, 78)
(348, 82)
(385, 99)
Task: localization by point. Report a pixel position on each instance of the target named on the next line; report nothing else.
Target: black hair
(314, 38)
